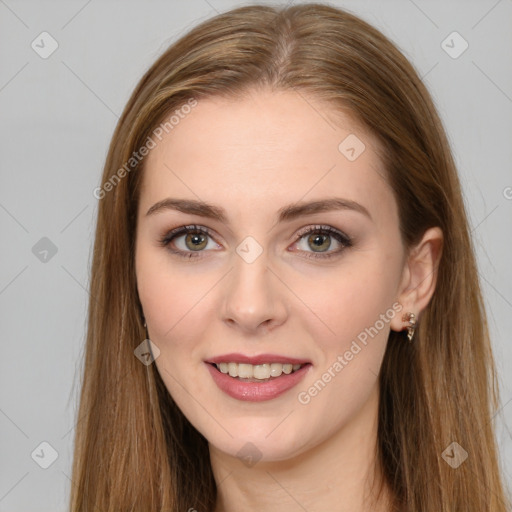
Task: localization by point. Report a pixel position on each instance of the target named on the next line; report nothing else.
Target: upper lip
(259, 359)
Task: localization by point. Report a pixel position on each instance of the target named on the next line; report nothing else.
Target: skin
(251, 157)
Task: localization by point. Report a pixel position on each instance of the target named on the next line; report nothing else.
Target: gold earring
(411, 318)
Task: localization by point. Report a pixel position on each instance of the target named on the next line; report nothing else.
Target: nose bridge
(253, 296)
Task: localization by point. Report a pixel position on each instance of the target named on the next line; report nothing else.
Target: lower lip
(256, 391)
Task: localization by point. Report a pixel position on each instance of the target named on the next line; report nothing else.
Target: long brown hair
(134, 449)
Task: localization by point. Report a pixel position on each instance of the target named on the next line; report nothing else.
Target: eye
(320, 238)
(196, 240)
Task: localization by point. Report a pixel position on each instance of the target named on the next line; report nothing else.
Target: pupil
(197, 240)
(319, 240)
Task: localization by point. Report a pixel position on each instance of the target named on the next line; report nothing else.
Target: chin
(253, 449)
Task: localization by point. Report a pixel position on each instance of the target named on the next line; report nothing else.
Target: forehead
(269, 148)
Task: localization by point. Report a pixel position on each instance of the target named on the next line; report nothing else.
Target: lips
(256, 390)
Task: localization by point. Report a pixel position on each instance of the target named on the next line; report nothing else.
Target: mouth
(245, 372)
(258, 378)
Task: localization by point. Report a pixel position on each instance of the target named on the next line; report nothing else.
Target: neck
(341, 473)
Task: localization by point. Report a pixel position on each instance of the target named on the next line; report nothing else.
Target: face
(272, 282)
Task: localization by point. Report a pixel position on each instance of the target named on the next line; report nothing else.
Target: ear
(419, 276)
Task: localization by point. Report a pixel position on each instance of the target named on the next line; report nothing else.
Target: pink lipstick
(256, 378)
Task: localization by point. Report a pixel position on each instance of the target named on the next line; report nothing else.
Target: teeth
(233, 369)
(261, 371)
(244, 371)
(258, 371)
(276, 369)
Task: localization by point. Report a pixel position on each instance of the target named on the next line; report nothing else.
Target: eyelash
(340, 237)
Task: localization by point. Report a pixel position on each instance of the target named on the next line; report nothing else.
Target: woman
(281, 216)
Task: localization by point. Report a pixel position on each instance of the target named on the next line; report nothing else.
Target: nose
(254, 298)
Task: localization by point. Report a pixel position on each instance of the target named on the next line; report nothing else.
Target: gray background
(57, 118)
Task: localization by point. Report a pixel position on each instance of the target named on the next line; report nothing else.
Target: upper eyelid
(322, 227)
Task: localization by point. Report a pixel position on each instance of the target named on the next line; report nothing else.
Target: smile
(256, 381)
(257, 372)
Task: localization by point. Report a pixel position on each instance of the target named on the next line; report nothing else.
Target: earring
(411, 318)
(146, 327)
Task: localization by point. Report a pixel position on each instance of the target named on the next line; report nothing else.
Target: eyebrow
(287, 213)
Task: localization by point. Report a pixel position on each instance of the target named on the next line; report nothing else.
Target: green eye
(319, 238)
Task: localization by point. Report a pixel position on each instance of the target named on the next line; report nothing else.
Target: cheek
(167, 295)
(174, 312)
(356, 308)
(349, 301)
